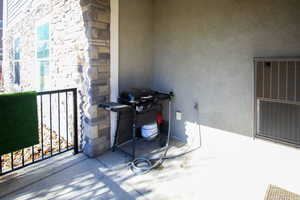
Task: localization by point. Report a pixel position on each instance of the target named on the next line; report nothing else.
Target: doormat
(276, 193)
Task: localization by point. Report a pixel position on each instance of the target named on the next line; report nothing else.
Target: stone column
(96, 126)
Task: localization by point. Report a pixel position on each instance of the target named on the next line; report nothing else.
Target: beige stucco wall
(136, 38)
(204, 49)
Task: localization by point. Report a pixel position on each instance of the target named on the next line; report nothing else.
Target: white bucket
(150, 131)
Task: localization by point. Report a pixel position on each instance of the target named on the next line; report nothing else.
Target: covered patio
(219, 59)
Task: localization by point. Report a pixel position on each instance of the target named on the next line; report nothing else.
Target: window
(16, 60)
(42, 55)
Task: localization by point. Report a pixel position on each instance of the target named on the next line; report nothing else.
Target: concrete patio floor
(228, 166)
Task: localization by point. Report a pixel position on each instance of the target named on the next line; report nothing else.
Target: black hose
(144, 165)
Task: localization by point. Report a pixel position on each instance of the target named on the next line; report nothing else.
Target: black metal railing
(58, 131)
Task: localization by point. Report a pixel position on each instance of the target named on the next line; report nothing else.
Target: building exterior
(201, 50)
(49, 41)
(59, 44)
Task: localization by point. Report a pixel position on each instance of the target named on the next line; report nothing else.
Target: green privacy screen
(18, 121)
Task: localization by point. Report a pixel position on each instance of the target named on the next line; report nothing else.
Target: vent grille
(277, 101)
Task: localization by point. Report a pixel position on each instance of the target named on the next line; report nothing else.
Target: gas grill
(144, 104)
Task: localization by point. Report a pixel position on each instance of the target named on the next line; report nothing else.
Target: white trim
(114, 68)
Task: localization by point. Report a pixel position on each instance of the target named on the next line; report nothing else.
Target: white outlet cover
(178, 115)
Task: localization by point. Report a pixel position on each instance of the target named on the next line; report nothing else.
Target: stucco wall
(136, 39)
(204, 49)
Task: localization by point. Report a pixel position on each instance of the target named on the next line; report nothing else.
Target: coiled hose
(144, 165)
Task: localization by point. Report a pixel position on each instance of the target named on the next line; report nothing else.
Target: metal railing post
(76, 150)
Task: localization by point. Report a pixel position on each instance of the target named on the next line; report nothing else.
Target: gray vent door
(277, 99)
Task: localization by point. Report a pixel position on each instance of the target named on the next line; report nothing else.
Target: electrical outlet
(178, 115)
(196, 106)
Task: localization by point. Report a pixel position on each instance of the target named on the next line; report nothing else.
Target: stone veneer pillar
(96, 69)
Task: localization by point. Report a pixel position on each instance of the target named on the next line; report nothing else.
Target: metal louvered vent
(277, 99)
